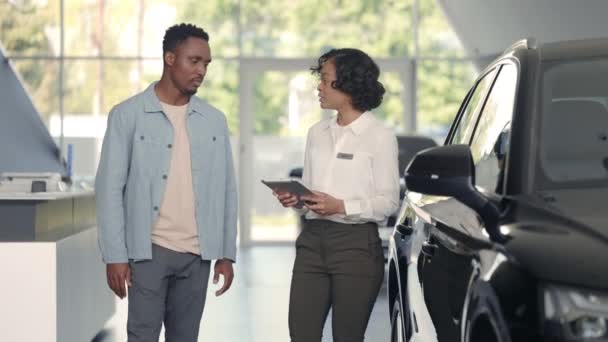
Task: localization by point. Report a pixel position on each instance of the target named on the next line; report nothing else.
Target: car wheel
(484, 323)
(482, 329)
(398, 329)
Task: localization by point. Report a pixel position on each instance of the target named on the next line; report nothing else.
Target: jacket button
(155, 208)
(213, 138)
(141, 138)
(169, 146)
(164, 176)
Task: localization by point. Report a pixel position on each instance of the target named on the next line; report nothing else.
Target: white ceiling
(487, 27)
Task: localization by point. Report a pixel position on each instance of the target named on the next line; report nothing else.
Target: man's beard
(190, 92)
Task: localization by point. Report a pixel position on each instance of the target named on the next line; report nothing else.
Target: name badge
(348, 156)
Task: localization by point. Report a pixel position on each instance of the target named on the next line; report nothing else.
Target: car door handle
(428, 248)
(404, 229)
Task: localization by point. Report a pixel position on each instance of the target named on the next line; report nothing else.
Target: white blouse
(356, 163)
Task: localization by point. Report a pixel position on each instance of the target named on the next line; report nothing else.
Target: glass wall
(280, 120)
(112, 49)
(79, 58)
(442, 85)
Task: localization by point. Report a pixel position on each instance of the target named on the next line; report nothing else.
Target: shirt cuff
(352, 208)
(108, 261)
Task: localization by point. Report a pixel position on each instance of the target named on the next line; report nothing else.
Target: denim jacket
(129, 186)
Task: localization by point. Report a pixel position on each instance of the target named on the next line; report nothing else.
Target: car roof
(564, 50)
(554, 51)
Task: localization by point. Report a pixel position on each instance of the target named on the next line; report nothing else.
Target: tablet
(292, 186)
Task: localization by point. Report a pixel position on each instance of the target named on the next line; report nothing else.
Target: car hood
(559, 241)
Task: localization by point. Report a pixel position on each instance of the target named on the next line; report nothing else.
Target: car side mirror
(441, 171)
(450, 171)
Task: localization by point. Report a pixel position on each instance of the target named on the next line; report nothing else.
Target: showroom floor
(255, 308)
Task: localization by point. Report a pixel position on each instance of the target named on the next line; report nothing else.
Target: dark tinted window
(574, 123)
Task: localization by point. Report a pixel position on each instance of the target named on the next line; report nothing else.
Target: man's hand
(223, 267)
(324, 204)
(287, 199)
(118, 275)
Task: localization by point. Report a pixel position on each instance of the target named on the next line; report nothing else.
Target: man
(166, 196)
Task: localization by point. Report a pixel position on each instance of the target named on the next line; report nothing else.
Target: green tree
(26, 29)
(94, 29)
(309, 28)
(442, 83)
(269, 28)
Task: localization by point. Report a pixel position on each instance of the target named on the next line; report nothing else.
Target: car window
(466, 123)
(490, 143)
(574, 124)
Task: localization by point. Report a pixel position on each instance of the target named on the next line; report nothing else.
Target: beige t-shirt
(176, 227)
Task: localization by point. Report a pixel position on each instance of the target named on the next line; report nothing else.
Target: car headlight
(582, 314)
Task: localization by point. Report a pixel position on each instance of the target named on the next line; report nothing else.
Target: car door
(456, 233)
(419, 284)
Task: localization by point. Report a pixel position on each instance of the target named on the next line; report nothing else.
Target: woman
(351, 166)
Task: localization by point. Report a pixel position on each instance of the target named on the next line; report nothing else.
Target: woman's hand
(324, 204)
(287, 199)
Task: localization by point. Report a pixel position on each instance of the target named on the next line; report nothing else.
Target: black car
(503, 232)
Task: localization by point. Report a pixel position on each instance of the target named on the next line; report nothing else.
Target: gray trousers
(339, 266)
(170, 288)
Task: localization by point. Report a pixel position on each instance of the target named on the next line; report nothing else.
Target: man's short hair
(177, 34)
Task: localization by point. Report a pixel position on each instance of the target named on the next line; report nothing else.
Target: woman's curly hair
(356, 75)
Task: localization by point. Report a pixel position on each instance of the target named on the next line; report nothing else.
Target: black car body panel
(510, 250)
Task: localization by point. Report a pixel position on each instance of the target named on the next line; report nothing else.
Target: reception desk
(53, 284)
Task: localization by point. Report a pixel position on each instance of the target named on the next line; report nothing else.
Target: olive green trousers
(338, 266)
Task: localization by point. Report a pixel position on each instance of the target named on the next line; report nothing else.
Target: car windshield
(574, 124)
